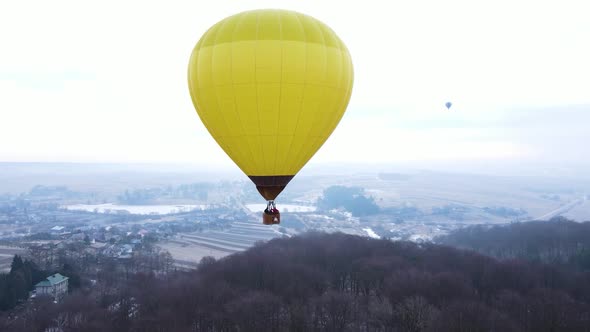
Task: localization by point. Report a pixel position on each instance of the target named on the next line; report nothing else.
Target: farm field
(188, 249)
(580, 212)
(427, 190)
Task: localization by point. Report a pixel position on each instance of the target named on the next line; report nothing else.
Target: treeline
(198, 191)
(502, 211)
(84, 270)
(16, 285)
(337, 282)
(557, 241)
(352, 199)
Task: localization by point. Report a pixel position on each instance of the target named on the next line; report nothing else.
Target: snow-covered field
(282, 208)
(371, 233)
(134, 209)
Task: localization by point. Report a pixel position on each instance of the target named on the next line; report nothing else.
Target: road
(560, 210)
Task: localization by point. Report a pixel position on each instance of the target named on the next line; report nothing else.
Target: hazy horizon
(230, 170)
(111, 84)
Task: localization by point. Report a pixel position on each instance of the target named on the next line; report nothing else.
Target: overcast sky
(105, 81)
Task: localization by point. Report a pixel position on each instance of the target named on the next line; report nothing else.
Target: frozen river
(282, 208)
(134, 209)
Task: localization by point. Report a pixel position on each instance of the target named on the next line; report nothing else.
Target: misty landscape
(255, 165)
(199, 231)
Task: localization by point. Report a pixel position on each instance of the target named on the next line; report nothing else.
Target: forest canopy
(559, 241)
(337, 282)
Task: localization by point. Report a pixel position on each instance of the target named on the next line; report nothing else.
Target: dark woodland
(332, 282)
(560, 242)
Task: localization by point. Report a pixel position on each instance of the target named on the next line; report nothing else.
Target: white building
(55, 286)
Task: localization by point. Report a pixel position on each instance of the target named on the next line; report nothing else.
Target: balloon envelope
(270, 86)
(448, 105)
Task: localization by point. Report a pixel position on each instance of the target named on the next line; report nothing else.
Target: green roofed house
(55, 285)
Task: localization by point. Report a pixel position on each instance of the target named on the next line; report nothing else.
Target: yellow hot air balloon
(270, 86)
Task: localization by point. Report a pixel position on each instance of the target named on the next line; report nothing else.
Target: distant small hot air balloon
(448, 104)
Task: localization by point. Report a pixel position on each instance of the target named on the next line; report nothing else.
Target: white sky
(105, 81)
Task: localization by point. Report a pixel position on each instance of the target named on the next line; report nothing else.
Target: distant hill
(558, 241)
(16, 178)
(334, 282)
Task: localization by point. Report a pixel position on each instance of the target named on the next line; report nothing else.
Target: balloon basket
(271, 218)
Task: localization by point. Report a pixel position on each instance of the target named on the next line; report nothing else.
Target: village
(92, 239)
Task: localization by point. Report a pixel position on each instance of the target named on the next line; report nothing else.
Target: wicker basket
(271, 218)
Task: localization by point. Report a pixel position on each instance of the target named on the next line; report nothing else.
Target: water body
(134, 209)
(282, 208)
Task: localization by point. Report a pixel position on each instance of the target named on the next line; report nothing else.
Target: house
(55, 285)
(78, 237)
(98, 246)
(126, 251)
(95, 248)
(57, 229)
